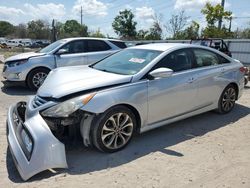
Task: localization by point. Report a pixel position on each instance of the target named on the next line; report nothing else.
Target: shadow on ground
(17, 90)
(85, 160)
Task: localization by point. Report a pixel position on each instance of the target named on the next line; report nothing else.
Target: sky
(99, 14)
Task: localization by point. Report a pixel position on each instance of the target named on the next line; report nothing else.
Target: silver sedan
(134, 90)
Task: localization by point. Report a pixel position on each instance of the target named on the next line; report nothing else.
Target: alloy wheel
(228, 99)
(117, 131)
(39, 78)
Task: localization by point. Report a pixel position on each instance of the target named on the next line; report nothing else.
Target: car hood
(69, 80)
(24, 56)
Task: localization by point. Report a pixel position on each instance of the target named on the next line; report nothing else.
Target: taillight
(243, 69)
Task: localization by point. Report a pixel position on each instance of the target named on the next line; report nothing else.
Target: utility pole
(230, 23)
(81, 15)
(53, 31)
(220, 21)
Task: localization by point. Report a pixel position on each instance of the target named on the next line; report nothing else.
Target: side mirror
(61, 51)
(161, 73)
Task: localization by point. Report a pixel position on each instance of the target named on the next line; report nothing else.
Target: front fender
(133, 94)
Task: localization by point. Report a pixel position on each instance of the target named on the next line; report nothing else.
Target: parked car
(216, 43)
(13, 43)
(135, 90)
(33, 67)
(37, 45)
(2, 40)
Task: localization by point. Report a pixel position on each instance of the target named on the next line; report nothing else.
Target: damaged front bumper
(33, 146)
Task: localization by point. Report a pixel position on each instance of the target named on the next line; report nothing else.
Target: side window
(205, 58)
(119, 44)
(177, 61)
(97, 45)
(223, 60)
(75, 47)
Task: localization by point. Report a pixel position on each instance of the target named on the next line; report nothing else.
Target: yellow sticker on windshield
(136, 60)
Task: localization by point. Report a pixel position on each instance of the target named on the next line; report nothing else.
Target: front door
(74, 54)
(175, 95)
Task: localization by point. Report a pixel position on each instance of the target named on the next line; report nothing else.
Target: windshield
(52, 46)
(128, 61)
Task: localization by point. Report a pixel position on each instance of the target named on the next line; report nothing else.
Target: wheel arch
(235, 85)
(35, 68)
(136, 113)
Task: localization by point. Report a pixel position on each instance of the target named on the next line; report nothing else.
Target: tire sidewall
(99, 122)
(31, 75)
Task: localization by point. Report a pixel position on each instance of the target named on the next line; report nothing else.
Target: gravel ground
(208, 150)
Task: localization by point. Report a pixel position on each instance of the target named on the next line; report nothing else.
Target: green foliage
(242, 34)
(97, 34)
(38, 29)
(141, 34)
(215, 13)
(73, 29)
(190, 32)
(155, 32)
(124, 24)
(214, 32)
(6, 28)
(20, 31)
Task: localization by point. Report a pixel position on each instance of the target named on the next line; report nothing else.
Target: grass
(14, 51)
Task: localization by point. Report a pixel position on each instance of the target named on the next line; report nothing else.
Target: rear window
(119, 44)
(97, 45)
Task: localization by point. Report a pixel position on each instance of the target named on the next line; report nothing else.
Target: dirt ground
(208, 150)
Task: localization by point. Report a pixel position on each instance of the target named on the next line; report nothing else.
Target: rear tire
(36, 78)
(227, 99)
(113, 130)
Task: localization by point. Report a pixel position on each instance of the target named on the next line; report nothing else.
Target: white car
(32, 68)
(13, 43)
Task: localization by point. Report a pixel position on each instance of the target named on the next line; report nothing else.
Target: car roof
(90, 38)
(162, 46)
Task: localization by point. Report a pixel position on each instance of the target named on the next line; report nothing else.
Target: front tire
(113, 129)
(36, 78)
(227, 100)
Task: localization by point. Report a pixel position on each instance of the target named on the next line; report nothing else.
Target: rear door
(175, 95)
(74, 55)
(97, 50)
(211, 70)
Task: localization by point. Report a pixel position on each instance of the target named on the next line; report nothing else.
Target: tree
(190, 32)
(243, 34)
(213, 14)
(38, 29)
(141, 34)
(6, 28)
(73, 29)
(124, 24)
(155, 32)
(97, 34)
(21, 31)
(176, 23)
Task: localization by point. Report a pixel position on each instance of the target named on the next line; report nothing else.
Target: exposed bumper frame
(48, 152)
